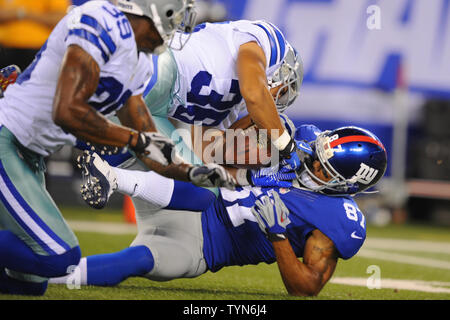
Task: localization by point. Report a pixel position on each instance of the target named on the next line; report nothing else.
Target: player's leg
(175, 239)
(160, 192)
(34, 237)
(168, 246)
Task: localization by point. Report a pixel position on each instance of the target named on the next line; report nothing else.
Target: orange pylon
(128, 210)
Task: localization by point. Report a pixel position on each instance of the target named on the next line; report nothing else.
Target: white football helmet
(168, 16)
(290, 76)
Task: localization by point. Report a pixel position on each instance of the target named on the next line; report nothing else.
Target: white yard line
(415, 285)
(402, 258)
(103, 227)
(407, 245)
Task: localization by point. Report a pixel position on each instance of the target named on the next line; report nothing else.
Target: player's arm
(251, 69)
(319, 257)
(306, 278)
(135, 114)
(78, 81)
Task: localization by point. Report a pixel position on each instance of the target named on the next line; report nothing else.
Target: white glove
(272, 216)
(211, 175)
(155, 146)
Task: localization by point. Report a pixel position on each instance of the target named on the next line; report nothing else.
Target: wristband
(272, 237)
(282, 141)
(141, 143)
(130, 139)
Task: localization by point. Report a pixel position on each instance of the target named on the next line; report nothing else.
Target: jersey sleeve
(269, 38)
(307, 132)
(89, 30)
(339, 218)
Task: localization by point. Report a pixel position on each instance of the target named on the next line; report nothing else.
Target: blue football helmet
(353, 157)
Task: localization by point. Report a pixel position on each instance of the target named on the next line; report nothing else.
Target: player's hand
(211, 175)
(282, 179)
(155, 146)
(8, 75)
(303, 150)
(290, 156)
(272, 216)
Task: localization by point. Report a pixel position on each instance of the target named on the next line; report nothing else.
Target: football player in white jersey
(93, 64)
(224, 69)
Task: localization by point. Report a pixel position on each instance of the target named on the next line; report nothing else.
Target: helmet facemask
(288, 77)
(322, 152)
(352, 160)
(185, 24)
(167, 16)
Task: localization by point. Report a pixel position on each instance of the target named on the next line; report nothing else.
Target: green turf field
(425, 276)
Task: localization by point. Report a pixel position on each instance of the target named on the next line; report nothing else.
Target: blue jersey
(233, 237)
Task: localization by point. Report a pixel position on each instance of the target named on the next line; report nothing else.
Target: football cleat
(104, 150)
(99, 180)
(8, 75)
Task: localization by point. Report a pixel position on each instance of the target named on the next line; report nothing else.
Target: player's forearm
(176, 171)
(298, 278)
(263, 113)
(77, 82)
(135, 114)
(89, 125)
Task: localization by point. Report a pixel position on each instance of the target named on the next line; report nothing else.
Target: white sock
(78, 276)
(145, 185)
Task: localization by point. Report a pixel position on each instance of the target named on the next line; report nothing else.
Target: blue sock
(17, 256)
(112, 268)
(187, 196)
(12, 286)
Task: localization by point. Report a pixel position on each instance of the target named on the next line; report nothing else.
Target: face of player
(320, 172)
(146, 35)
(274, 91)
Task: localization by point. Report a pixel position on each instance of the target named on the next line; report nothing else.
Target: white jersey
(102, 31)
(207, 90)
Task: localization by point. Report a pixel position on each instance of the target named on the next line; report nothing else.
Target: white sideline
(415, 285)
(402, 258)
(102, 227)
(407, 245)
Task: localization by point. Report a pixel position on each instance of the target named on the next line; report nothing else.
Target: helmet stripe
(356, 139)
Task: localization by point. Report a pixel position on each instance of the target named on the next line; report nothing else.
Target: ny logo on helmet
(365, 174)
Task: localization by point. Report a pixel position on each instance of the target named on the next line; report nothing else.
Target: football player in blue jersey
(93, 64)
(313, 217)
